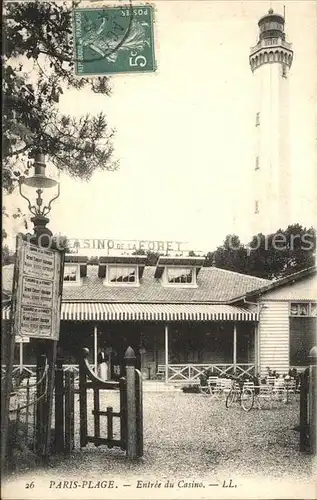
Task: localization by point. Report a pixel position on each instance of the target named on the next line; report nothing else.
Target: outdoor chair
(264, 395)
(224, 387)
(160, 374)
(279, 391)
(207, 388)
(290, 390)
(213, 386)
(204, 389)
(249, 384)
(271, 380)
(292, 386)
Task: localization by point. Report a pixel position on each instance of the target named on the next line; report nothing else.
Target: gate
(122, 428)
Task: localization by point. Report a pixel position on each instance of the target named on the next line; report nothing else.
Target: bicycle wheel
(230, 398)
(247, 399)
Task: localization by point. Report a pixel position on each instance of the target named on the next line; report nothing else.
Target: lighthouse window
(284, 71)
(256, 207)
(257, 163)
(257, 119)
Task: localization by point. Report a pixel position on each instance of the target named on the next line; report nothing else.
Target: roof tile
(214, 285)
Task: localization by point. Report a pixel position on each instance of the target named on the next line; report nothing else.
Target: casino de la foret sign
(37, 294)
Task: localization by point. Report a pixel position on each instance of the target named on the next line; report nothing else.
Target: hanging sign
(37, 295)
(24, 340)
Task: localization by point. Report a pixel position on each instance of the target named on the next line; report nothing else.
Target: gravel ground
(194, 436)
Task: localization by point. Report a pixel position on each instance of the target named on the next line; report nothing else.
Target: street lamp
(40, 181)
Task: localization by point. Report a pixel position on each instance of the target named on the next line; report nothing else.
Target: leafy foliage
(152, 257)
(267, 256)
(38, 67)
(7, 257)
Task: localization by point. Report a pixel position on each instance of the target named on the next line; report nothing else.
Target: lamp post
(39, 181)
(43, 238)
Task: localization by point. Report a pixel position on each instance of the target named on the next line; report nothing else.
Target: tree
(267, 256)
(39, 35)
(8, 257)
(231, 255)
(282, 253)
(93, 260)
(191, 253)
(152, 257)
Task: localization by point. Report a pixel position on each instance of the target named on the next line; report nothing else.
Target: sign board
(37, 295)
(24, 340)
(108, 245)
(113, 40)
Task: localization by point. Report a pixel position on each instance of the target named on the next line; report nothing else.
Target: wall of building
(274, 324)
(305, 289)
(274, 336)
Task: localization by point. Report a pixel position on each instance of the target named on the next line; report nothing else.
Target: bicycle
(242, 394)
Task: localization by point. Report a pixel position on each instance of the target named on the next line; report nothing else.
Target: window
(179, 275)
(303, 309)
(256, 207)
(122, 274)
(71, 274)
(302, 339)
(284, 71)
(257, 119)
(257, 163)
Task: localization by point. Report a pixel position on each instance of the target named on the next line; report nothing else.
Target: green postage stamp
(113, 40)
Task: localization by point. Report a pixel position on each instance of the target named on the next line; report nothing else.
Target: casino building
(181, 317)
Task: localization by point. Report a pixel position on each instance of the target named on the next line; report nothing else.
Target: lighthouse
(270, 61)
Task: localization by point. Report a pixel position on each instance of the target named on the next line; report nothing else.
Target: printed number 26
(137, 61)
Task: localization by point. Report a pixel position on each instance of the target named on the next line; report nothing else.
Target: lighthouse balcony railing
(271, 42)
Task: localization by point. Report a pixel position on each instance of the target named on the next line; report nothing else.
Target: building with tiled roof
(180, 317)
(213, 286)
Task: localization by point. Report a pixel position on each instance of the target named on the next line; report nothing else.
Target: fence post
(51, 356)
(130, 362)
(123, 412)
(312, 411)
(59, 406)
(83, 400)
(69, 412)
(303, 414)
(139, 412)
(40, 402)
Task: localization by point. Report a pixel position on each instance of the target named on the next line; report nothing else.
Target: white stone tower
(270, 61)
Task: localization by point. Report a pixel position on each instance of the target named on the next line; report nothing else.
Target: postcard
(159, 279)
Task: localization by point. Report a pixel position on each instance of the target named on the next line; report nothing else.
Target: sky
(184, 134)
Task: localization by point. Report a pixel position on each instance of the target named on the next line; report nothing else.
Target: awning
(99, 311)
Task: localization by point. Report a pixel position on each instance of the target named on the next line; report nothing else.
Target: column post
(256, 348)
(21, 357)
(235, 348)
(312, 408)
(166, 354)
(95, 348)
(130, 361)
